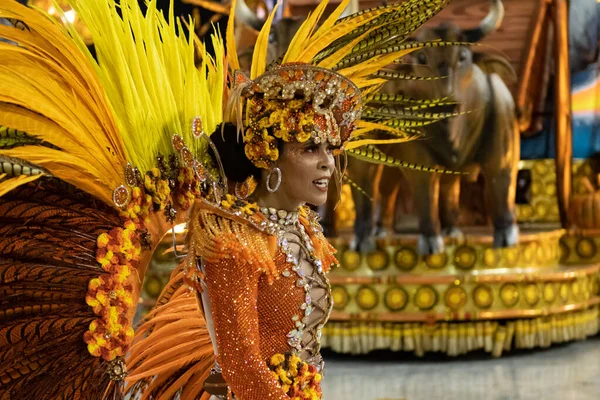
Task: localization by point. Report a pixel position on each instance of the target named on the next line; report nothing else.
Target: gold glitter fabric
(257, 297)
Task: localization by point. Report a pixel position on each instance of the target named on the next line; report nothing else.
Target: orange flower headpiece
(296, 103)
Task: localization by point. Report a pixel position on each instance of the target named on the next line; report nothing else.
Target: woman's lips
(322, 184)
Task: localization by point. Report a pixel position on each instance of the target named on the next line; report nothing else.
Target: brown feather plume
(48, 234)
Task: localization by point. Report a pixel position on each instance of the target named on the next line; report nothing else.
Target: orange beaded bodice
(268, 293)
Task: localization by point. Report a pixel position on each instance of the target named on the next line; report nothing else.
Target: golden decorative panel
(521, 293)
(535, 250)
(543, 204)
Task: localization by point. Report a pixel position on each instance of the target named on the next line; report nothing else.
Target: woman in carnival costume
(100, 158)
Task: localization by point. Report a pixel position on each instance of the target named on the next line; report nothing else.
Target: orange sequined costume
(101, 156)
(261, 299)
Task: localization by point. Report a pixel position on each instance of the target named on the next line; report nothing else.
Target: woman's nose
(327, 161)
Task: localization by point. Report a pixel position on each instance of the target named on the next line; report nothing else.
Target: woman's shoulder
(232, 212)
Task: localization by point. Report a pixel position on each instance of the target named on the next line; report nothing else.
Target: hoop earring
(269, 188)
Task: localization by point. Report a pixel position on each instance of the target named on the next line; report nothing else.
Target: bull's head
(280, 38)
(282, 31)
(453, 64)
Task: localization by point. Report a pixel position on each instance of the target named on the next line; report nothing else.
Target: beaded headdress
(298, 102)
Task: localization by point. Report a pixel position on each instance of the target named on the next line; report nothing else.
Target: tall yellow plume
(49, 89)
(230, 39)
(146, 65)
(259, 57)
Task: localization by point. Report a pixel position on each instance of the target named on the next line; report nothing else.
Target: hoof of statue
(428, 245)
(368, 245)
(354, 244)
(381, 232)
(453, 232)
(506, 237)
(365, 245)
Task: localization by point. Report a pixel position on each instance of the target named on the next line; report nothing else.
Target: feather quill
(259, 57)
(230, 39)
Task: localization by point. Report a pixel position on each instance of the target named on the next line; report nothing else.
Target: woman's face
(306, 169)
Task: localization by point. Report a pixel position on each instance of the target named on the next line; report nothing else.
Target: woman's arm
(233, 288)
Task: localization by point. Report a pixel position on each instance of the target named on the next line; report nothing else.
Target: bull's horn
(247, 16)
(489, 24)
(352, 8)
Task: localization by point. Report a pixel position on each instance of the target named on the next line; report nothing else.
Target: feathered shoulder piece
(239, 229)
(234, 229)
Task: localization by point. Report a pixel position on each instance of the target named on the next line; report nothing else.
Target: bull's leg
(500, 188)
(450, 204)
(500, 155)
(362, 174)
(384, 208)
(425, 187)
(363, 225)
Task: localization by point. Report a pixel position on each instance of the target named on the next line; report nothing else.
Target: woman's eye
(311, 149)
(330, 150)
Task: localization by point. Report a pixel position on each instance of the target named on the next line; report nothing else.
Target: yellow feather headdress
(94, 117)
(96, 122)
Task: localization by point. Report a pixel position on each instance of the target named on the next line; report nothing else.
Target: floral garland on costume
(299, 380)
(110, 295)
(119, 250)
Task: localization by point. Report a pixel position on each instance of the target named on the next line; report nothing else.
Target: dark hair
(236, 165)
